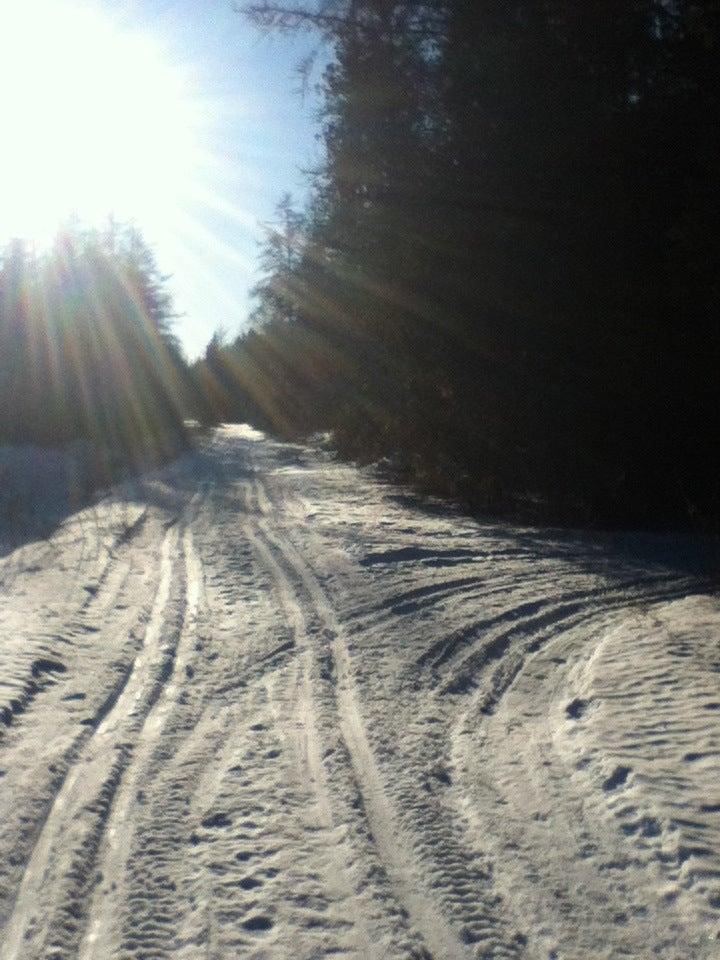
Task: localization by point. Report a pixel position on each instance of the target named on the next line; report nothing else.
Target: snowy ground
(262, 706)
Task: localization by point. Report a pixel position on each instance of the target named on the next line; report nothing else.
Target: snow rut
(387, 865)
(282, 711)
(60, 873)
(79, 812)
(90, 552)
(116, 844)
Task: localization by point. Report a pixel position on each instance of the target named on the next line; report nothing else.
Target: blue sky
(259, 135)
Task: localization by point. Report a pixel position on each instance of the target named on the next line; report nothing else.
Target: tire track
(75, 625)
(346, 726)
(584, 893)
(95, 772)
(51, 721)
(119, 829)
(427, 931)
(308, 743)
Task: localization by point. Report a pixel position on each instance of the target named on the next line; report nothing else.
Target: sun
(95, 121)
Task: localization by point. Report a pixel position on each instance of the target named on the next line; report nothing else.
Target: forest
(87, 348)
(505, 282)
(503, 286)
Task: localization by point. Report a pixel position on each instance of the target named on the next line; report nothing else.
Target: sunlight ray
(82, 134)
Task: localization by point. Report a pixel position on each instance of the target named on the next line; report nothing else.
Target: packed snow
(262, 704)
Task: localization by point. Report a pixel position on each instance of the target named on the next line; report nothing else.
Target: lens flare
(95, 120)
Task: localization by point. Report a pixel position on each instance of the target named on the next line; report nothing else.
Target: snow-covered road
(262, 705)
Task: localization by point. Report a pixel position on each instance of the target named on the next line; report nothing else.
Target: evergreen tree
(87, 345)
(509, 253)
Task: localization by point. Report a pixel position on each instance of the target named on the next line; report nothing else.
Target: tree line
(504, 282)
(506, 277)
(87, 349)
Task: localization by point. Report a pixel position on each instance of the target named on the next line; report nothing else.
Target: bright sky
(176, 113)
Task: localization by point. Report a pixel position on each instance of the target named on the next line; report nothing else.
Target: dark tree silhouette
(507, 274)
(87, 346)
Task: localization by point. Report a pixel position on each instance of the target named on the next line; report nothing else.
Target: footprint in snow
(576, 708)
(250, 883)
(258, 924)
(617, 778)
(216, 821)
